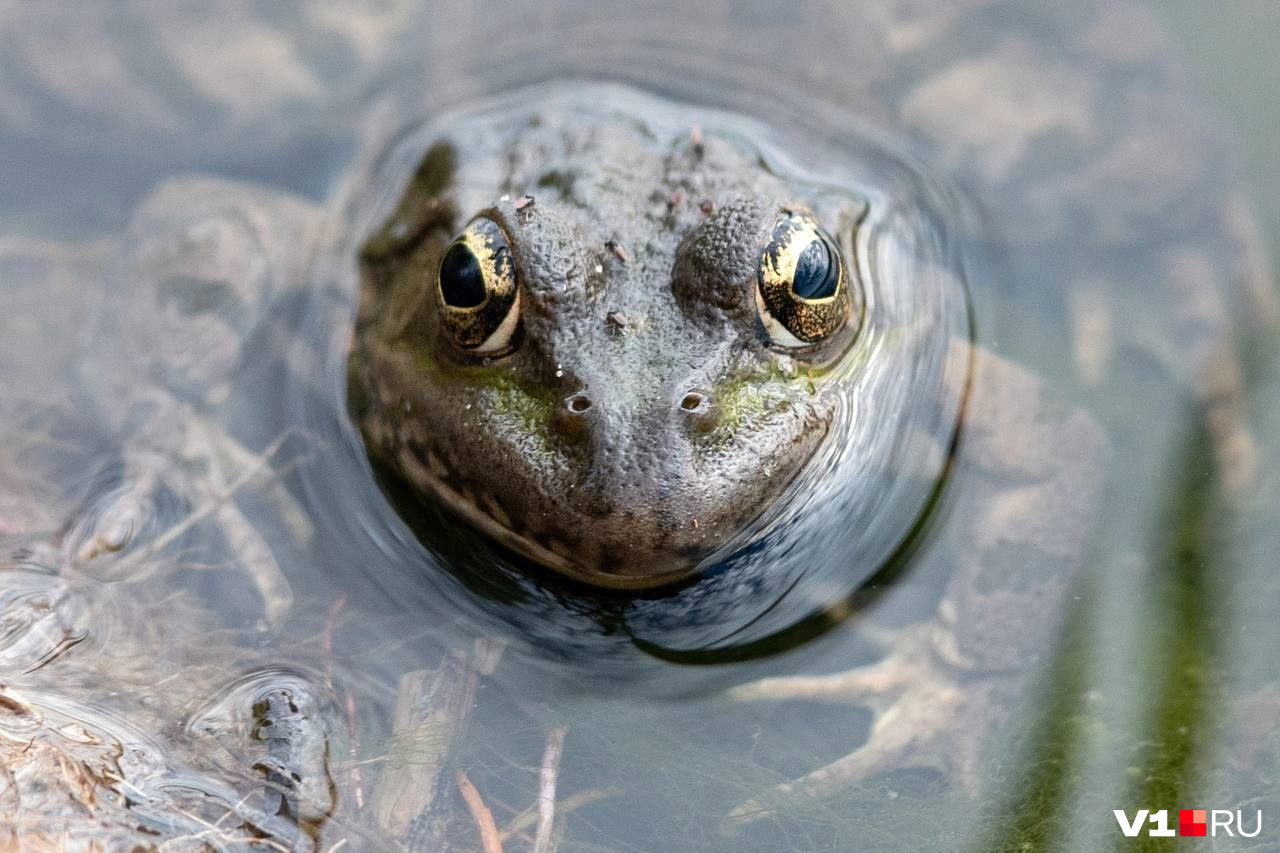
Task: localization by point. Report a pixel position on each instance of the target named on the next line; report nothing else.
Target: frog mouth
(608, 572)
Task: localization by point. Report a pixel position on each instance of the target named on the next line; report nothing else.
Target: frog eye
(476, 285)
(803, 292)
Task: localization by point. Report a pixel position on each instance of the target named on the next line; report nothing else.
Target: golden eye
(803, 285)
(476, 284)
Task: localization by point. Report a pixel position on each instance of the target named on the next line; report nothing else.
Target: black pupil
(461, 281)
(815, 276)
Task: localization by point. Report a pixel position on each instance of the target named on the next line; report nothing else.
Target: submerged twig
(432, 707)
(326, 638)
(357, 775)
(547, 775)
(528, 817)
(262, 462)
(489, 839)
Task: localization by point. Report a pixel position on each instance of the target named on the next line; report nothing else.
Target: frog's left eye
(803, 292)
(476, 286)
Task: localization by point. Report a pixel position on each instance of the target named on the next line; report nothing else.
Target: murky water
(219, 624)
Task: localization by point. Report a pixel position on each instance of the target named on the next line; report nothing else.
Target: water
(207, 591)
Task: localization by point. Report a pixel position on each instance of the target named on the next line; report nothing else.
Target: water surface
(167, 668)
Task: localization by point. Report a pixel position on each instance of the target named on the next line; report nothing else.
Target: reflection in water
(214, 626)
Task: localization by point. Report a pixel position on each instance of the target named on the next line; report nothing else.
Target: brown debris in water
(616, 320)
(618, 251)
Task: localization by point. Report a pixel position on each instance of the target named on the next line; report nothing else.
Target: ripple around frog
(124, 505)
(41, 617)
(840, 524)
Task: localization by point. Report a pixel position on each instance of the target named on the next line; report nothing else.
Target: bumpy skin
(637, 267)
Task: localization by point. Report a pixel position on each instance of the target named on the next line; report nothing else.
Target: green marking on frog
(525, 407)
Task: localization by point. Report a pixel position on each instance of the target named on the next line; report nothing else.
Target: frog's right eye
(803, 292)
(476, 286)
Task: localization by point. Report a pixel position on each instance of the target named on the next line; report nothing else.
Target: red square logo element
(1192, 822)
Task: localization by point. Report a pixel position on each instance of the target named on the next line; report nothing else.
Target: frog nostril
(699, 407)
(693, 401)
(572, 414)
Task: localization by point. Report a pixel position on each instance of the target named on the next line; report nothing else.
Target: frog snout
(640, 500)
(693, 411)
(638, 461)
